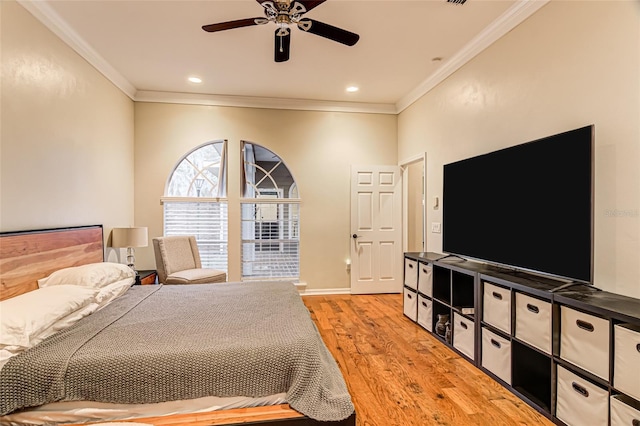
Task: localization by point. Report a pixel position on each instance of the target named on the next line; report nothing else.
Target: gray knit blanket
(164, 343)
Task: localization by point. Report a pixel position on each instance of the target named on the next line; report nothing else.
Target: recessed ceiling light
(195, 79)
(352, 89)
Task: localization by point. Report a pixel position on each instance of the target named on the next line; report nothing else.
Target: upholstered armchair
(178, 262)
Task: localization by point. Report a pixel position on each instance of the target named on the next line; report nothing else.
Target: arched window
(270, 216)
(200, 173)
(194, 203)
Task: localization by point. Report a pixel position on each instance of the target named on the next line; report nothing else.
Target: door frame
(405, 199)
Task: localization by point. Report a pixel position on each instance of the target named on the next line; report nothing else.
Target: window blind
(207, 221)
(270, 240)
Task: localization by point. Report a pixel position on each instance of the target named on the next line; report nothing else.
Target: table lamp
(130, 237)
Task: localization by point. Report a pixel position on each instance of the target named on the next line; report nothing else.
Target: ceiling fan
(285, 13)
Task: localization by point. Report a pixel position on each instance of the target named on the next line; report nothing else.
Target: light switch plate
(435, 227)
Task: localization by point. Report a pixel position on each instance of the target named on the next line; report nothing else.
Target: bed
(244, 352)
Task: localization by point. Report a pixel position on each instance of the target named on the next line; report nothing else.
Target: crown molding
(510, 19)
(50, 19)
(258, 102)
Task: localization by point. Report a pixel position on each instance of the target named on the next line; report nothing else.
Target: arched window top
(200, 173)
(265, 174)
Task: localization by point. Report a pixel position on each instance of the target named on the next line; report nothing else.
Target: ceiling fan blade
(211, 28)
(328, 31)
(309, 4)
(282, 45)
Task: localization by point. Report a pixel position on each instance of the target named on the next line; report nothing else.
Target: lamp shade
(129, 237)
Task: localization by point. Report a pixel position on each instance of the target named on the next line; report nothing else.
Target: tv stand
(536, 336)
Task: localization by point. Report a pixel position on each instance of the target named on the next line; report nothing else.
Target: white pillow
(26, 316)
(7, 352)
(112, 291)
(95, 275)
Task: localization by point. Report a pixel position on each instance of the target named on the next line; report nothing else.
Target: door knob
(355, 236)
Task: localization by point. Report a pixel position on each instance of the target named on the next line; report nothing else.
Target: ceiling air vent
(456, 1)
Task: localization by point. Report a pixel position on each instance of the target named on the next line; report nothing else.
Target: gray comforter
(163, 343)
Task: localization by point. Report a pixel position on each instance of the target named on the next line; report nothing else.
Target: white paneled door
(376, 229)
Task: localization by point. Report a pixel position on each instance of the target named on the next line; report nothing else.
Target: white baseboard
(325, 291)
(302, 289)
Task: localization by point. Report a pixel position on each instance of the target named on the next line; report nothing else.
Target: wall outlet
(435, 227)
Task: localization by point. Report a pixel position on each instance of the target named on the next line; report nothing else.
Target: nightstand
(146, 277)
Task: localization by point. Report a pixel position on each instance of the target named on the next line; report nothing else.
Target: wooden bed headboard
(27, 256)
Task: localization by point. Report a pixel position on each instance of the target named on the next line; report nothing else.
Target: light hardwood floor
(398, 374)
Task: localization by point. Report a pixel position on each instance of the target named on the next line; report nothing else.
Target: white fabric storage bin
(580, 402)
(411, 273)
(496, 309)
(533, 322)
(584, 341)
(425, 308)
(496, 354)
(623, 414)
(411, 304)
(626, 361)
(463, 335)
(425, 279)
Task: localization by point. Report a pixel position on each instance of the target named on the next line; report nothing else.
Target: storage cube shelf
(464, 337)
(584, 341)
(496, 308)
(425, 312)
(624, 411)
(496, 354)
(442, 285)
(573, 355)
(626, 367)
(410, 304)
(531, 376)
(580, 402)
(425, 279)
(411, 273)
(533, 322)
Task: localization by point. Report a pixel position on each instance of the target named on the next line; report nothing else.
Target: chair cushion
(177, 254)
(197, 276)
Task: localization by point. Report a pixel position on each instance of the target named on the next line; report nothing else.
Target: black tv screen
(529, 206)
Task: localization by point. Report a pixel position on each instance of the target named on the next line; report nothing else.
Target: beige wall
(66, 135)
(317, 147)
(571, 64)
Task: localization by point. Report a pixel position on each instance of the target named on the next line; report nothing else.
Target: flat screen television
(529, 206)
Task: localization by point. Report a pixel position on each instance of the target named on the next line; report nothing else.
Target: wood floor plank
(399, 374)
